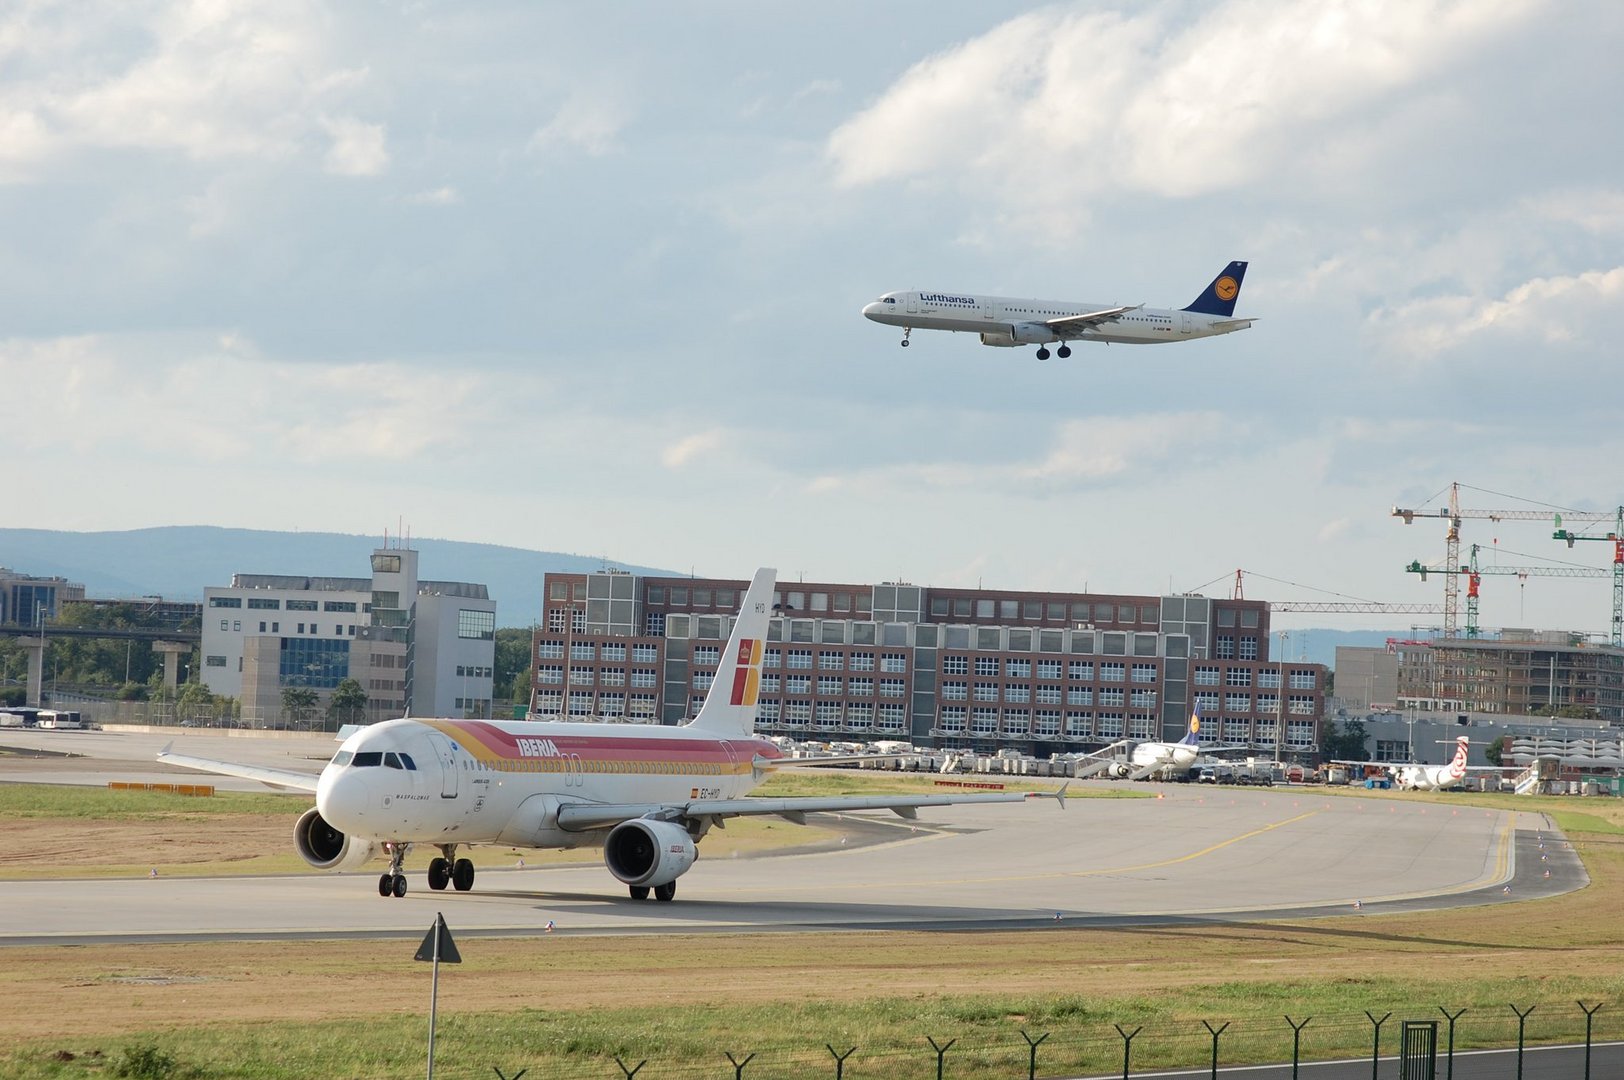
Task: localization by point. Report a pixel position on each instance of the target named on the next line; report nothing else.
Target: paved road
(1193, 854)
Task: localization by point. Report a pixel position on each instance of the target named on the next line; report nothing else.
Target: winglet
(168, 746)
(1057, 796)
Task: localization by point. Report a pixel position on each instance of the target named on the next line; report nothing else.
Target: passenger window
(367, 760)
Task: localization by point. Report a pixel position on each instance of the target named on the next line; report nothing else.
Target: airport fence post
(1296, 1041)
(1127, 1045)
(941, 1052)
(634, 1070)
(1522, 1020)
(1449, 1055)
(840, 1060)
(1589, 1016)
(1376, 1045)
(1214, 1032)
(738, 1066)
(1032, 1047)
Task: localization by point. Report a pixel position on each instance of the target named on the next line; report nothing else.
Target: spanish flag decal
(747, 673)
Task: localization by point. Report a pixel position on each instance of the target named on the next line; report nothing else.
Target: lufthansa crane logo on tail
(1226, 288)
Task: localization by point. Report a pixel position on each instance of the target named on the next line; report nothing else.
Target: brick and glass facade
(1031, 671)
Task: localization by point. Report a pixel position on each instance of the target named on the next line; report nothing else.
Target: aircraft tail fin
(730, 703)
(1457, 767)
(1193, 736)
(1220, 296)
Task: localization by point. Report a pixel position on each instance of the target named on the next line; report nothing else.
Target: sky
(587, 278)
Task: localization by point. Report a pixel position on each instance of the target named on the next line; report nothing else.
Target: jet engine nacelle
(1119, 770)
(647, 852)
(1026, 333)
(325, 848)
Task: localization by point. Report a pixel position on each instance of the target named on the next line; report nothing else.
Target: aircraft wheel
(904, 343)
(639, 892)
(1063, 352)
(439, 874)
(386, 885)
(1043, 354)
(462, 875)
(399, 885)
(664, 893)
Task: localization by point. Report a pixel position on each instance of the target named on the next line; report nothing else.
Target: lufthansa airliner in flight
(645, 794)
(1008, 322)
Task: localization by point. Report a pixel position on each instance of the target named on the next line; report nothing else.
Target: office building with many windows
(1031, 671)
(420, 648)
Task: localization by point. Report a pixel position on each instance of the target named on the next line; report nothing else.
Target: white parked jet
(645, 794)
(1008, 322)
(1415, 776)
(1149, 756)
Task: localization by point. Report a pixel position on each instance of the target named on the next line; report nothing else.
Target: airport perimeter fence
(1093, 1047)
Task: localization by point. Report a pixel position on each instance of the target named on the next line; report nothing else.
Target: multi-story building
(1034, 671)
(422, 648)
(26, 600)
(1513, 673)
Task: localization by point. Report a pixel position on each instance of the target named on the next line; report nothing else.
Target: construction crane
(1473, 573)
(1617, 537)
(1453, 514)
(1341, 607)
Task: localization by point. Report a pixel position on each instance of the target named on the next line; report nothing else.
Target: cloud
(687, 449)
(1082, 453)
(587, 124)
(358, 148)
(1554, 310)
(208, 80)
(1152, 102)
(216, 399)
(440, 196)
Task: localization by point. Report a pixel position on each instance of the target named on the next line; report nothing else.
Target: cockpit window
(365, 759)
(406, 760)
(392, 760)
(342, 758)
(890, 299)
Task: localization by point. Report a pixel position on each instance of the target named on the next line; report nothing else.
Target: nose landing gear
(906, 330)
(393, 881)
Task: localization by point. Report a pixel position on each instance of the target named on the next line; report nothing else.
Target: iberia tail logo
(746, 673)
(1226, 288)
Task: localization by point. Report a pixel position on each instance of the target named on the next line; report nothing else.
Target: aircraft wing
(1076, 324)
(586, 816)
(284, 778)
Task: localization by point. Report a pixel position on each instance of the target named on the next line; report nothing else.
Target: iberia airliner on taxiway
(646, 794)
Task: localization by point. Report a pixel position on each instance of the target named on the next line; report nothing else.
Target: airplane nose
(341, 797)
(872, 309)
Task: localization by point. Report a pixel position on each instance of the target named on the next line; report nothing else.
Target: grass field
(566, 1007)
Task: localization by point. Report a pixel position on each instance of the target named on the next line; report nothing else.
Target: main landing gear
(450, 870)
(663, 893)
(393, 882)
(906, 330)
(1062, 352)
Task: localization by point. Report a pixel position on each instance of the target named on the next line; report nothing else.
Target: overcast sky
(587, 277)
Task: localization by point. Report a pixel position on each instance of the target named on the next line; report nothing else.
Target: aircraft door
(448, 764)
(986, 309)
(913, 303)
(1184, 322)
